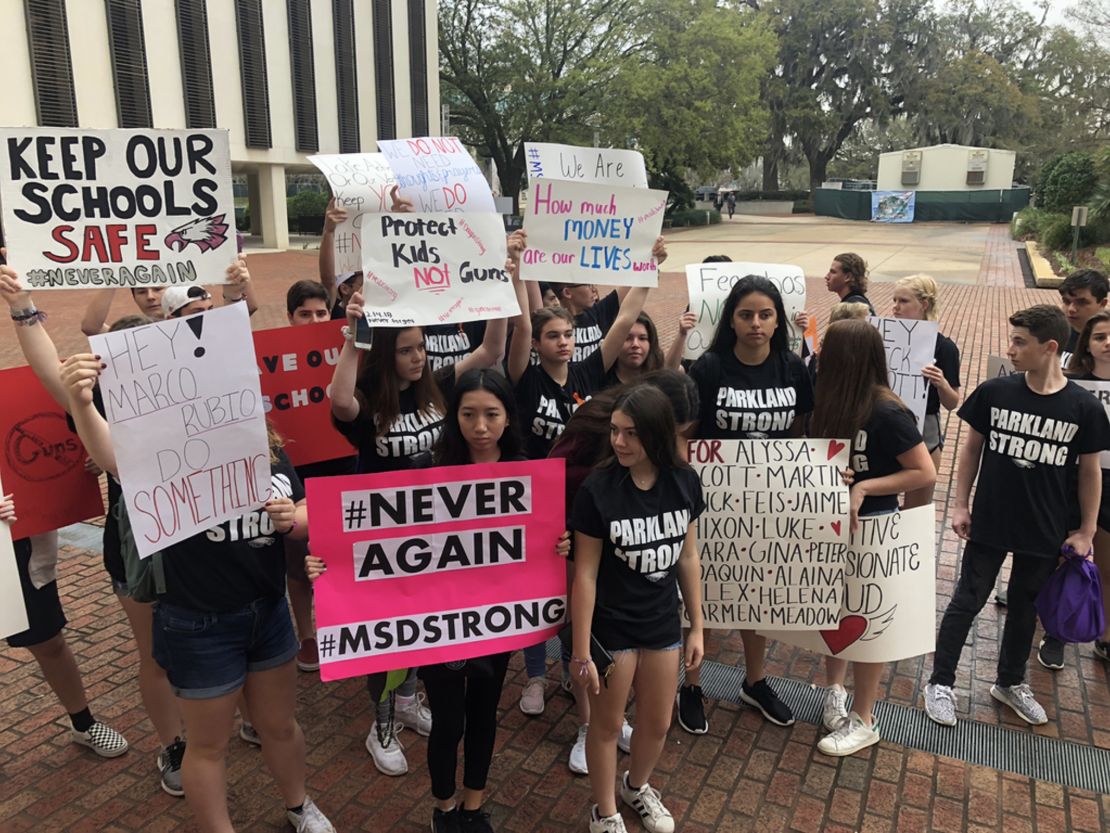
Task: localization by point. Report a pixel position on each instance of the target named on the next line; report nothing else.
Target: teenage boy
(1082, 294)
(592, 317)
(1027, 433)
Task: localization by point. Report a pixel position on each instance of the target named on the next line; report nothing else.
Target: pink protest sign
(436, 565)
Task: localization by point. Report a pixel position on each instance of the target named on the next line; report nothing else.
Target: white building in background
(946, 168)
(286, 78)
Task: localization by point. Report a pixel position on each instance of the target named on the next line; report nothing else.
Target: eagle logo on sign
(206, 234)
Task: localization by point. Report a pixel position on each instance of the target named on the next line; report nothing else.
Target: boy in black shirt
(1026, 435)
(1082, 294)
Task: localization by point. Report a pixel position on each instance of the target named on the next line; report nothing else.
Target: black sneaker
(445, 822)
(169, 764)
(1050, 654)
(691, 710)
(474, 821)
(1000, 596)
(763, 697)
(1102, 649)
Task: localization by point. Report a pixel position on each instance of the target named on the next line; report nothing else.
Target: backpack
(146, 577)
(1070, 602)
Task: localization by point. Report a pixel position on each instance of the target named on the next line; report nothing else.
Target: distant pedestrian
(731, 203)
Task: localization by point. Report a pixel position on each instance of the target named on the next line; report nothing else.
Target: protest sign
(295, 366)
(435, 269)
(1101, 391)
(43, 463)
(360, 184)
(438, 174)
(579, 232)
(889, 608)
(999, 366)
(185, 409)
(910, 347)
(602, 166)
(708, 285)
(13, 613)
(436, 565)
(774, 533)
(84, 209)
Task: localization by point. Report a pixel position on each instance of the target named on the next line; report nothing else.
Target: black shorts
(45, 617)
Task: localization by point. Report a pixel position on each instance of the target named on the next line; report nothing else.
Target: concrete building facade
(946, 168)
(286, 78)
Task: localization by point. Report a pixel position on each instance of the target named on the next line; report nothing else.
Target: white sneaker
(387, 752)
(411, 712)
(531, 696)
(309, 819)
(646, 802)
(850, 737)
(940, 704)
(624, 739)
(577, 762)
(608, 824)
(1020, 698)
(835, 708)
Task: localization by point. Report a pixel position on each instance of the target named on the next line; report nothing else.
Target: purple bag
(1070, 603)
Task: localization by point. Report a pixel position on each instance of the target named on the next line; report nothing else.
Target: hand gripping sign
(104, 208)
(436, 565)
(360, 184)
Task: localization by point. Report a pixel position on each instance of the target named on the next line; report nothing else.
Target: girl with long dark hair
(751, 387)
(854, 401)
(634, 526)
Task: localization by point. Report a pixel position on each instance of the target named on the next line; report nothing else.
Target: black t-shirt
(1069, 349)
(545, 406)
(235, 563)
(446, 344)
(642, 532)
(947, 359)
(327, 468)
(591, 325)
(411, 433)
(1032, 443)
(891, 430)
(857, 298)
(751, 402)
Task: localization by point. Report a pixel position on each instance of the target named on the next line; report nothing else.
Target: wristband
(28, 317)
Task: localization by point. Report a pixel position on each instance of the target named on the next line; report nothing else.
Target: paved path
(745, 775)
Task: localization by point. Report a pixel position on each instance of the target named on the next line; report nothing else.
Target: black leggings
(464, 707)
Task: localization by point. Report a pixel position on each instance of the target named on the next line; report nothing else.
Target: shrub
(1056, 233)
(1066, 181)
(307, 204)
(782, 196)
(695, 217)
(1029, 223)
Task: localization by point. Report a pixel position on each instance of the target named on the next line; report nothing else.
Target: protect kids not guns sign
(436, 565)
(84, 209)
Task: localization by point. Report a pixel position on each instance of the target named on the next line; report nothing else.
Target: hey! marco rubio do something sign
(436, 565)
(183, 402)
(107, 208)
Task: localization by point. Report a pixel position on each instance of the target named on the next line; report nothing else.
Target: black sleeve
(586, 515)
(976, 411)
(803, 384)
(282, 466)
(692, 489)
(899, 430)
(947, 358)
(1094, 430)
(706, 374)
(607, 310)
(359, 428)
(592, 373)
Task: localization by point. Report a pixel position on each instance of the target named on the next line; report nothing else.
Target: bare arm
(344, 404)
(1090, 498)
(93, 322)
(332, 218)
(78, 375)
(238, 286)
(967, 469)
(520, 348)
(38, 348)
(689, 581)
(917, 472)
(673, 359)
(631, 307)
(587, 558)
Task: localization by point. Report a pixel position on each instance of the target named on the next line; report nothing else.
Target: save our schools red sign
(295, 366)
(43, 462)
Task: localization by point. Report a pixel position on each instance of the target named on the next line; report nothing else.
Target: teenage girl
(888, 457)
(1091, 362)
(634, 531)
(222, 628)
(751, 387)
(639, 354)
(915, 298)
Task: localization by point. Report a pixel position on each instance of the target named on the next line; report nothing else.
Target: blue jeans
(208, 655)
(535, 660)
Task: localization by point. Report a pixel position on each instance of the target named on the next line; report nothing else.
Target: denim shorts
(674, 647)
(208, 655)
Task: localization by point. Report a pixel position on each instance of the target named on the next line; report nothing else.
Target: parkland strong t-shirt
(751, 402)
(1032, 443)
(641, 533)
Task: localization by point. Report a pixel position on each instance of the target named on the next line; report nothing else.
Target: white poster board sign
(438, 174)
(13, 613)
(579, 232)
(602, 166)
(999, 366)
(910, 348)
(435, 269)
(774, 533)
(708, 285)
(889, 610)
(360, 183)
(1101, 391)
(183, 402)
(86, 209)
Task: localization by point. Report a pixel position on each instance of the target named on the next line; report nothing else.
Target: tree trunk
(770, 173)
(818, 171)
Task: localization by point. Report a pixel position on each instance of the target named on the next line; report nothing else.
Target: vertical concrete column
(272, 207)
(254, 201)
